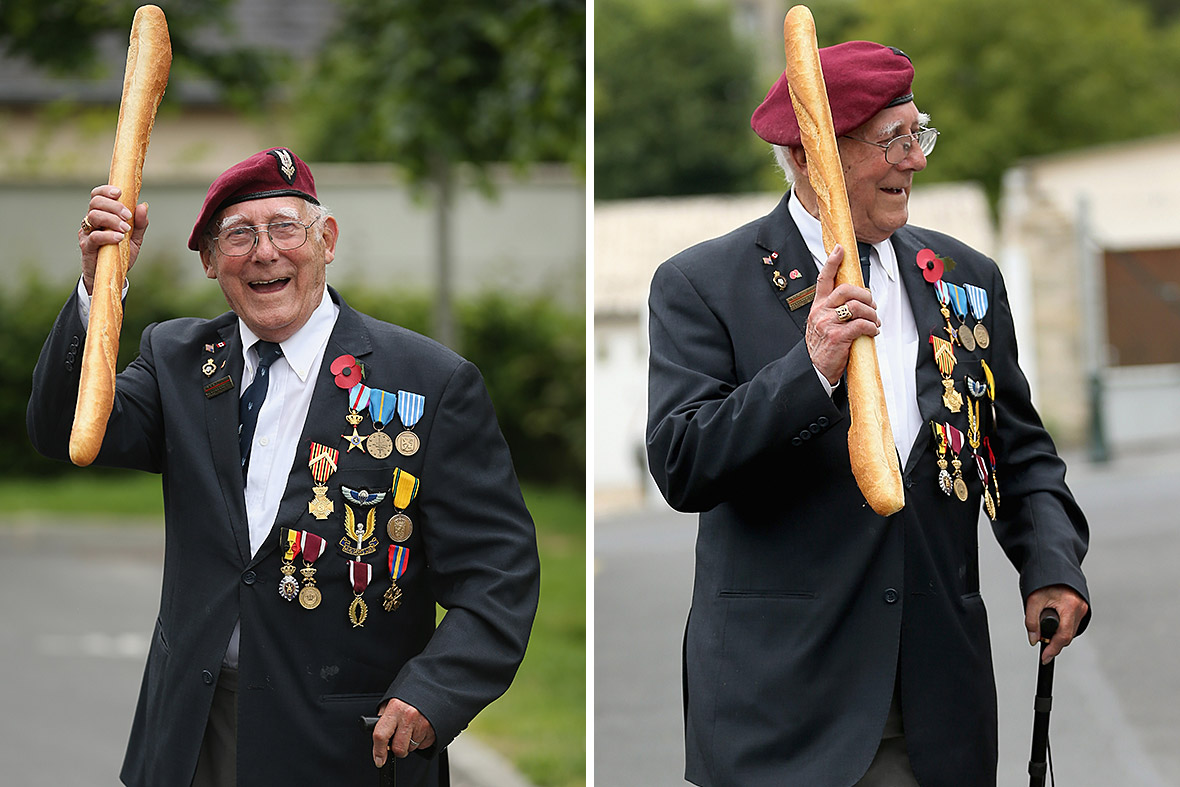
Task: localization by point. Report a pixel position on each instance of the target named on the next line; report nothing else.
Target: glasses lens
(927, 137)
(287, 235)
(236, 242)
(899, 148)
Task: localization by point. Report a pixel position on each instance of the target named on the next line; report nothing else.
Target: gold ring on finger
(843, 313)
(87, 227)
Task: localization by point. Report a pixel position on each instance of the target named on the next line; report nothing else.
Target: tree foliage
(1012, 79)
(673, 93)
(465, 82)
(64, 37)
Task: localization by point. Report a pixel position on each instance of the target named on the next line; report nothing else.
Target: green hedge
(530, 351)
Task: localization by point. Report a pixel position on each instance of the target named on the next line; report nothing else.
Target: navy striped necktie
(863, 249)
(268, 353)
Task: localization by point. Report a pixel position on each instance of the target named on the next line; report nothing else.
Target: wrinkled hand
(111, 220)
(1071, 608)
(828, 339)
(401, 729)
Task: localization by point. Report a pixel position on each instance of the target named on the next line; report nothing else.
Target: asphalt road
(1115, 718)
(78, 604)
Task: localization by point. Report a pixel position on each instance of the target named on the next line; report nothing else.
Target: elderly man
(301, 577)
(827, 645)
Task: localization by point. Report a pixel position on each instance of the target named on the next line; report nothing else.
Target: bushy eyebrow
(235, 218)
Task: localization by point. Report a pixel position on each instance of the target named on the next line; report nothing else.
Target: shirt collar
(812, 232)
(301, 349)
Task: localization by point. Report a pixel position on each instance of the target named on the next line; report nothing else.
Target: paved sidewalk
(78, 604)
(1115, 719)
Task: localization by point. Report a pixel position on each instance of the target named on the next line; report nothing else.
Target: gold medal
(392, 598)
(989, 504)
(950, 397)
(313, 547)
(309, 597)
(358, 610)
(322, 464)
(359, 575)
(399, 527)
(407, 443)
(380, 445)
(209, 368)
(966, 338)
(981, 335)
(321, 506)
(961, 489)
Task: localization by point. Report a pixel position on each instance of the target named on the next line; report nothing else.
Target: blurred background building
(1078, 212)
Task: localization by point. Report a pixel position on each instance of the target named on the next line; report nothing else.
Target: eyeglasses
(284, 235)
(899, 148)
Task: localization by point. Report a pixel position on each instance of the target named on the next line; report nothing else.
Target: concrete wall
(531, 238)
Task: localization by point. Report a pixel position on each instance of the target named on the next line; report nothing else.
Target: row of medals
(310, 596)
(969, 339)
(379, 444)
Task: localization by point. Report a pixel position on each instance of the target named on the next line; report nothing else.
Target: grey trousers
(891, 765)
(217, 764)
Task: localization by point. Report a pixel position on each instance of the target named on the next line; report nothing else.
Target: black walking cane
(387, 777)
(1044, 703)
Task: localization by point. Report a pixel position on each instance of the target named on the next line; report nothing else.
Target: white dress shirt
(897, 344)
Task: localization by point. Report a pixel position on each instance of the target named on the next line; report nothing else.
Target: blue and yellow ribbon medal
(382, 405)
(977, 296)
(358, 399)
(399, 558)
(943, 293)
(405, 489)
(959, 304)
(409, 409)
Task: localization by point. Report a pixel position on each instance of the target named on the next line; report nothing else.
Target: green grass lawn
(540, 724)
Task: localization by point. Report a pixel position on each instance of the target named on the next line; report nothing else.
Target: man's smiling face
(272, 291)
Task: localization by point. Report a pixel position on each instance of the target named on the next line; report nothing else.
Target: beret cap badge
(286, 164)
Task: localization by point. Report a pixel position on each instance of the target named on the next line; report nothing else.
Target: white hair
(782, 154)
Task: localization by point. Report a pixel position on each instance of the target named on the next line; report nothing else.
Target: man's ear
(207, 263)
(799, 156)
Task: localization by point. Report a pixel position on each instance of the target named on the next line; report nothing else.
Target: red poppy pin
(933, 266)
(348, 372)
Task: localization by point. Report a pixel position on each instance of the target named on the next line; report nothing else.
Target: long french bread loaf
(870, 439)
(149, 58)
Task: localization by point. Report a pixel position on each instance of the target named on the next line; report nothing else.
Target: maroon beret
(272, 173)
(862, 78)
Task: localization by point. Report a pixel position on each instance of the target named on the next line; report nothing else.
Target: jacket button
(890, 596)
(822, 421)
(909, 481)
(74, 342)
(249, 577)
(69, 366)
(806, 435)
(814, 428)
(207, 676)
(796, 441)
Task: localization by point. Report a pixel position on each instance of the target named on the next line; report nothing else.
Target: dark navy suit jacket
(306, 676)
(807, 605)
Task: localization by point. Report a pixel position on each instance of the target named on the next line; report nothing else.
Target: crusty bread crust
(149, 58)
(870, 439)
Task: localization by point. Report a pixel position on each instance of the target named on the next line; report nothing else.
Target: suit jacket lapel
(782, 249)
(928, 321)
(222, 420)
(328, 403)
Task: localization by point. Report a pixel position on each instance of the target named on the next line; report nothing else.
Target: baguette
(149, 57)
(870, 439)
